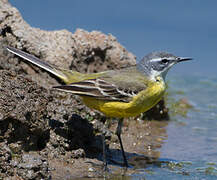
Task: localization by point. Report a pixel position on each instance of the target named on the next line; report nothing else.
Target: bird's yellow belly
(142, 102)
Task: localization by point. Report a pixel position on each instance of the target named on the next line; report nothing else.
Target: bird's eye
(165, 61)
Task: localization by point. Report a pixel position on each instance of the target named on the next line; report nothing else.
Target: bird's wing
(117, 85)
(113, 87)
(98, 89)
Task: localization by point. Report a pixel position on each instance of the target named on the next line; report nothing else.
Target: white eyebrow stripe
(156, 60)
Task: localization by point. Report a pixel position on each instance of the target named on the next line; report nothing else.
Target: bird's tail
(66, 76)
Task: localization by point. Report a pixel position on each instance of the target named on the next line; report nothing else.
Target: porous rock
(54, 125)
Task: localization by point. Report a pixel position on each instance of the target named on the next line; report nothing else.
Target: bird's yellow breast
(140, 103)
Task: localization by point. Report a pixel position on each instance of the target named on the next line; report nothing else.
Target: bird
(119, 93)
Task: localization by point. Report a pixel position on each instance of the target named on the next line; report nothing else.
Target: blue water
(189, 150)
(186, 28)
(192, 139)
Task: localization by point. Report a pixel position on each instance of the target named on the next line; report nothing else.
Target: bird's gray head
(158, 63)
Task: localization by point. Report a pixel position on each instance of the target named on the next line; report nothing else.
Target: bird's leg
(118, 133)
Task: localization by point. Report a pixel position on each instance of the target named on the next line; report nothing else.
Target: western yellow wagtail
(117, 93)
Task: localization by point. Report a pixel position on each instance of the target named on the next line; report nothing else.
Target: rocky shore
(50, 134)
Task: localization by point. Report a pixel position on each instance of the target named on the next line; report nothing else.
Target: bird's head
(158, 63)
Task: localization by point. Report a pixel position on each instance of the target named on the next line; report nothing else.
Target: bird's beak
(180, 59)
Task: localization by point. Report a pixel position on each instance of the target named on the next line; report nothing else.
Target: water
(191, 145)
(193, 138)
(190, 150)
(197, 138)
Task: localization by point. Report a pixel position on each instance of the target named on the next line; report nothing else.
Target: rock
(83, 51)
(159, 112)
(78, 153)
(40, 126)
(23, 109)
(96, 52)
(33, 166)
